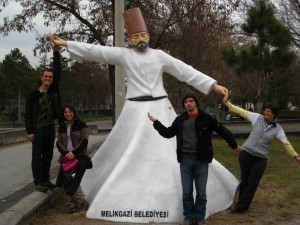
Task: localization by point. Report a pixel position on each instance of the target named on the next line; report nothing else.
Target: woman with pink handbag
(72, 141)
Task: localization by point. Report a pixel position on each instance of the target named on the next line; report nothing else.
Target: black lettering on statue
(116, 213)
(152, 214)
(130, 213)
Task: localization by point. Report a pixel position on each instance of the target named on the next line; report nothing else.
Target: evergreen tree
(18, 77)
(268, 55)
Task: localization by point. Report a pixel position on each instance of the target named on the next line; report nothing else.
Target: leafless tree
(289, 12)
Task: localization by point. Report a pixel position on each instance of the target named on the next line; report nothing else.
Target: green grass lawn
(281, 181)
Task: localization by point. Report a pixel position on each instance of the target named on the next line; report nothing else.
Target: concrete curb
(12, 136)
(16, 135)
(29, 208)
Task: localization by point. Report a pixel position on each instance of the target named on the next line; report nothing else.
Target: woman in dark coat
(72, 141)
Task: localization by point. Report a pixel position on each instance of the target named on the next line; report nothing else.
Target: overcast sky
(23, 41)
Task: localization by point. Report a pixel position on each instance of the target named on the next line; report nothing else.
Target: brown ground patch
(259, 213)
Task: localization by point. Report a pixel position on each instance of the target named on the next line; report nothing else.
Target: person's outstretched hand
(55, 48)
(224, 101)
(152, 118)
(237, 149)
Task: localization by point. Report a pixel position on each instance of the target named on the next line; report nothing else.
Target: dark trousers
(42, 153)
(252, 170)
(72, 183)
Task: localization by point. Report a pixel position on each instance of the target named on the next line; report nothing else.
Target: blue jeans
(190, 170)
(42, 153)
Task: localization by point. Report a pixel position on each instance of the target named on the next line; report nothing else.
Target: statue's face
(140, 41)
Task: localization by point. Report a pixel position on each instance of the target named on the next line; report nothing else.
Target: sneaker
(188, 222)
(201, 222)
(75, 207)
(227, 211)
(235, 209)
(49, 185)
(41, 188)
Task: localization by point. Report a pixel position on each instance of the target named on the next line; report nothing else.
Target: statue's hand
(221, 90)
(57, 41)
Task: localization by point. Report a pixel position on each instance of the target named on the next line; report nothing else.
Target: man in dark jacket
(193, 130)
(42, 107)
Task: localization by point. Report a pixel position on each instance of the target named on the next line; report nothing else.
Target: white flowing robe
(135, 176)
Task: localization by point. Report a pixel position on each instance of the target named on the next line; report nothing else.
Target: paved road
(15, 169)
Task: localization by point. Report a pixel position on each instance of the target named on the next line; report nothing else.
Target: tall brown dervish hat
(134, 21)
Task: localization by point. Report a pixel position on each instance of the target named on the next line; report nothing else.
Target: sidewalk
(29, 208)
(35, 203)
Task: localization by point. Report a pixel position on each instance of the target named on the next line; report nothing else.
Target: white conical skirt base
(135, 175)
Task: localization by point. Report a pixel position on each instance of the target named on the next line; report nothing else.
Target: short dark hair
(192, 95)
(46, 70)
(273, 106)
(72, 108)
